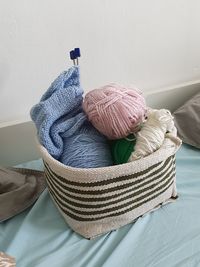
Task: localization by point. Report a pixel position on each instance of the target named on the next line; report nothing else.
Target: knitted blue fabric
(61, 102)
(62, 124)
(87, 148)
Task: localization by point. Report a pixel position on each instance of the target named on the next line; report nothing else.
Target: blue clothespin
(74, 55)
(77, 54)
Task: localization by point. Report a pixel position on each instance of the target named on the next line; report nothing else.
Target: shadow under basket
(97, 200)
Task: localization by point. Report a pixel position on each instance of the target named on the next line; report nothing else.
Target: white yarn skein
(152, 134)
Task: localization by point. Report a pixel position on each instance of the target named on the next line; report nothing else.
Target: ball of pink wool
(114, 110)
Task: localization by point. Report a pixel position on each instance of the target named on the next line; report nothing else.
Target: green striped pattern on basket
(83, 201)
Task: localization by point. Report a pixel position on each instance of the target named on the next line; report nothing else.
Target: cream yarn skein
(153, 132)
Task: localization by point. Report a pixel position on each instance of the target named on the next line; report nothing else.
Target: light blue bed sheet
(168, 237)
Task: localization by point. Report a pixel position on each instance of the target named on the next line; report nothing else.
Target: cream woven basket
(97, 200)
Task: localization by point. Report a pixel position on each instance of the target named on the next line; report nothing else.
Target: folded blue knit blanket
(63, 128)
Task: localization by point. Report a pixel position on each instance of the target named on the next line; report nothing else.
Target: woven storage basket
(97, 200)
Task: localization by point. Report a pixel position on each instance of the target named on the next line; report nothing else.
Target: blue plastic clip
(77, 52)
(72, 56)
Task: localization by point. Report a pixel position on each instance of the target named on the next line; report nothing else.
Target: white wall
(150, 44)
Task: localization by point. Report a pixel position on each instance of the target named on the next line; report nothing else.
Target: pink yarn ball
(114, 110)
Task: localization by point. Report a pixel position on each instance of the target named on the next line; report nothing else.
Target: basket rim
(175, 141)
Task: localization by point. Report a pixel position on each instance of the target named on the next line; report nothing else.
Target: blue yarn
(63, 128)
(86, 149)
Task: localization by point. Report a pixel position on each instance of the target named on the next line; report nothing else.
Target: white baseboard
(17, 139)
(172, 97)
(17, 143)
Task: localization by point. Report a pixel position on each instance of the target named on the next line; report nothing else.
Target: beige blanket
(19, 188)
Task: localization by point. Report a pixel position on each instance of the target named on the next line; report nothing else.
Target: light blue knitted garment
(86, 148)
(63, 128)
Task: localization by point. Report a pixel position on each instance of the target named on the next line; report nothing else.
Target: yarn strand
(114, 110)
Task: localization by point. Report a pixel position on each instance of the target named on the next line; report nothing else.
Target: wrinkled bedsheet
(167, 237)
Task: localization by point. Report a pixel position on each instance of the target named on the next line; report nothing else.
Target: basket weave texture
(97, 200)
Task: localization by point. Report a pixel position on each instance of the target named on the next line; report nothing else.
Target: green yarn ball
(121, 149)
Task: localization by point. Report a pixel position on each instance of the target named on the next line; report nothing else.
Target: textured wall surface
(149, 44)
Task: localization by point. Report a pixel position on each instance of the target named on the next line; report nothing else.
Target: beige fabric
(187, 121)
(19, 188)
(95, 201)
(6, 260)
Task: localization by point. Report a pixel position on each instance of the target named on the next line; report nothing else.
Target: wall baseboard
(17, 139)
(17, 143)
(172, 97)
